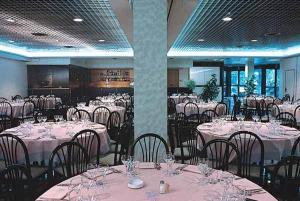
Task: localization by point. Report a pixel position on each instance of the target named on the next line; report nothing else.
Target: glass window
(270, 77)
(258, 78)
(242, 77)
(234, 77)
(234, 90)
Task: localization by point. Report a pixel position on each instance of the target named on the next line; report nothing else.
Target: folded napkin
(150, 165)
(56, 193)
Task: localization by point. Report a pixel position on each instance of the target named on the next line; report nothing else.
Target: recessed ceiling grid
(55, 18)
(252, 20)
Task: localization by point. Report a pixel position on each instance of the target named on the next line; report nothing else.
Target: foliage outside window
(210, 90)
(250, 86)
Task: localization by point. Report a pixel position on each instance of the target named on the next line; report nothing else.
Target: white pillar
(150, 67)
(249, 68)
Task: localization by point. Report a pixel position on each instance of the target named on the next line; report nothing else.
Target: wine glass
(56, 117)
(74, 118)
(39, 119)
(44, 119)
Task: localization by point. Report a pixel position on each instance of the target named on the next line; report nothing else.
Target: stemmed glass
(169, 159)
(56, 117)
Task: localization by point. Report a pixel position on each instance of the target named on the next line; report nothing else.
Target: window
(258, 78)
(270, 82)
(234, 81)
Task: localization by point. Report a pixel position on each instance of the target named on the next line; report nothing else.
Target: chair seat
(113, 147)
(37, 172)
(177, 152)
(108, 159)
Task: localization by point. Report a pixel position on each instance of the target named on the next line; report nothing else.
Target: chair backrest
(221, 109)
(287, 170)
(17, 97)
(16, 180)
(41, 103)
(28, 109)
(122, 142)
(296, 111)
(67, 160)
(13, 151)
(221, 154)
(70, 112)
(251, 102)
(208, 115)
(296, 148)
(261, 108)
(287, 119)
(171, 106)
(286, 97)
(250, 147)
(96, 102)
(2, 99)
(83, 115)
(90, 141)
(187, 100)
(149, 147)
(190, 108)
(101, 115)
(113, 124)
(121, 102)
(191, 143)
(272, 110)
(5, 109)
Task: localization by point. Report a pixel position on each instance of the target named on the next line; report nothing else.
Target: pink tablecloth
(191, 109)
(276, 145)
(40, 144)
(183, 187)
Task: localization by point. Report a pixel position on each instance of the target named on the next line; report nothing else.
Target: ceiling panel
(55, 18)
(252, 19)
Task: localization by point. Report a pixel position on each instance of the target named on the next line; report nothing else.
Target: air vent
(39, 34)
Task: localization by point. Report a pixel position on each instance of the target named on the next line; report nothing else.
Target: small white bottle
(162, 187)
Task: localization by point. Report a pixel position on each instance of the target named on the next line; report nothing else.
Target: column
(249, 68)
(150, 67)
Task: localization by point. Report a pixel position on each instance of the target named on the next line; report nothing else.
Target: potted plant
(250, 86)
(211, 89)
(191, 84)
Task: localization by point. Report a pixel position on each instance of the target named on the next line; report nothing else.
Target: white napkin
(56, 193)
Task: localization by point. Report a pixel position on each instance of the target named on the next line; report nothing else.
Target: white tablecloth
(183, 187)
(111, 100)
(49, 102)
(40, 144)
(251, 101)
(276, 145)
(193, 110)
(178, 99)
(101, 117)
(290, 108)
(16, 109)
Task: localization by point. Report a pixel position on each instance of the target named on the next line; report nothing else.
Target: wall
(291, 63)
(13, 78)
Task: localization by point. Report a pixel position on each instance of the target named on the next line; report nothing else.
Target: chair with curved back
(83, 115)
(272, 110)
(67, 160)
(191, 110)
(113, 125)
(70, 112)
(250, 146)
(171, 106)
(2, 99)
(16, 183)
(286, 97)
(96, 102)
(287, 119)
(90, 141)
(296, 148)
(285, 178)
(6, 120)
(221, 109)
(149, 147)
(28, 111)
(101, 115)
(121, 102)
(297, 114)
(41, 104)
(187, 99)
(17, 97)
(207, 116)
(221, 155)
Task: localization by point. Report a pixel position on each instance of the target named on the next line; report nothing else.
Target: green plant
(250, 86)
(211, 89)
(191, 84)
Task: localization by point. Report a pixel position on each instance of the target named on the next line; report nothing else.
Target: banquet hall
(149, 100)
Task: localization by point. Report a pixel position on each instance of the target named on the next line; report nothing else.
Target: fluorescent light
(10, 20)
(101, 40)
(77, 19)
(254, 40)
(227, 19)
(11, 41)
(201, 40)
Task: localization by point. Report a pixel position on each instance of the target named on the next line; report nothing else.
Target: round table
(178, 99)
(290, 108)
(101, 117)
(17, 107)
(40, 143)
(49, 102)
(251, 101)
(276, 145)
(183, 186)
(111, 100)
(202, 107)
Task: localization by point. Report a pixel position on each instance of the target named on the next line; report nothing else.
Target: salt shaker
(162, 187)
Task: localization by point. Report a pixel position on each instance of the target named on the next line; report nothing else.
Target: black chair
(191, 110)
(121, 102)
(296, 148)
(70, 112)
(187, 100)
(285, 178)
(120, 147)
(287, 119)
(295, 114)
(286, 97)
(191, 143)
(171, 107)
(150, 147)
(97, 102)
(221, 109)
(17, 97)
(113, 125)
(41, 104)
(28, 111)
(249, 146)
(272, 110)
(221, 155)
(103, 112)
(207, 116)
(5, 108)
(67, 160)
(261, 110)
(90, 141)
(16, 183)
(2, 99)
(6, 122)
(83, 115)
(13, 151)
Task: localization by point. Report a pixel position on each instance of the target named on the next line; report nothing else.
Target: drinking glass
(74, 118)
(39, 119)
(44, 119)
(169, 159)
(56, 117)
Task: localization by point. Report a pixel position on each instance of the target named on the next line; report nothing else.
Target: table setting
(191, 109)
(42, 138)
(178, 98)
(288, 107)
(277, 139)
(138, 181)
